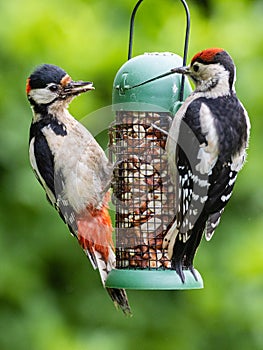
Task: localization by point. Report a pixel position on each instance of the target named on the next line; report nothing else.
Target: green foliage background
(50, 298)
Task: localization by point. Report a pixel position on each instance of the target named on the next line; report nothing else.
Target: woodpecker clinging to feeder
(206, 149)
(72, 167)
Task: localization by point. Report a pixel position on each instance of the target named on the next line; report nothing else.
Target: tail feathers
(95, 237)
(118, 296)
(120, 300)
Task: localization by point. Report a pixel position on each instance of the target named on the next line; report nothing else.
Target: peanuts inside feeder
(143, 194)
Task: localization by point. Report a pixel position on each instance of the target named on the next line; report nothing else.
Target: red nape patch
(28, 87)
(206, 55)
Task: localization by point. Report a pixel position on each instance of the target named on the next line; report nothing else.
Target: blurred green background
(50, 298)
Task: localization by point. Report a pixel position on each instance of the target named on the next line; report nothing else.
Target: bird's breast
(78, 162)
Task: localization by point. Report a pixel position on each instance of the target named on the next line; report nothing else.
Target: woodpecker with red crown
(206, 149)
(72, 168)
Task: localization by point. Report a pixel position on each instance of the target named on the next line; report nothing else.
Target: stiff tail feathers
(95, 237)
(120, 299)
(118, 296)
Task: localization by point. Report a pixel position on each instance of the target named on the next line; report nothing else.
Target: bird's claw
(178, 267)
(192, 270)
(181, 273)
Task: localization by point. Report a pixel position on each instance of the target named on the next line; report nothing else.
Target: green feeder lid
(161, 94)
(153, 280)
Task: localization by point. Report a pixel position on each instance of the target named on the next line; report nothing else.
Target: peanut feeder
(143, 194)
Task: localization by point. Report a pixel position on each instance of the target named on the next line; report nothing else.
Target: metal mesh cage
(142, 192)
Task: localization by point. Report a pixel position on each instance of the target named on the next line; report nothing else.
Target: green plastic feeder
(153, 280)
(162, 94)
(142, 193)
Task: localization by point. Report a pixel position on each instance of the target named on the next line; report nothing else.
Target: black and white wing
(42, 162)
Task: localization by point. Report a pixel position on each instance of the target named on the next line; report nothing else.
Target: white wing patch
(208, 153)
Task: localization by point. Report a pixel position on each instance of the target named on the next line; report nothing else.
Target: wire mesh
(143, 195)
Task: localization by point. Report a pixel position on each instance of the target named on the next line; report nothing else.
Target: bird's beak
(181, 70)
(77, 87)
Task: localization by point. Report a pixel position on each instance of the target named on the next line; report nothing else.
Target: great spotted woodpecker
(206, 149)
(72, 168)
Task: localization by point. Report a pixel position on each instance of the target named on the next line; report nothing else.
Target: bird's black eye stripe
(53, 87)
(196, 67)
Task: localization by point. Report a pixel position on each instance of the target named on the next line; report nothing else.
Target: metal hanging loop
(132, 28)
(186, 42)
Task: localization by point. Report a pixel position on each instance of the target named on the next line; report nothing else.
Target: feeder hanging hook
(186, 42)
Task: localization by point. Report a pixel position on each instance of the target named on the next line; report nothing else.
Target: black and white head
(211, 69)
(50, 85)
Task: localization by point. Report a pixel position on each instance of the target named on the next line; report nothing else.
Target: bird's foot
(192, 270)
(178, 267)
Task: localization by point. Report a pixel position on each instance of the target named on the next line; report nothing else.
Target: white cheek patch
(42, 96)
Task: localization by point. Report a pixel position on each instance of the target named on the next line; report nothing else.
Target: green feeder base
(153, 279)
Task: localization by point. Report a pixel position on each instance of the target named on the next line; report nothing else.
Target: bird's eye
(196, 67)
(53, 87)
